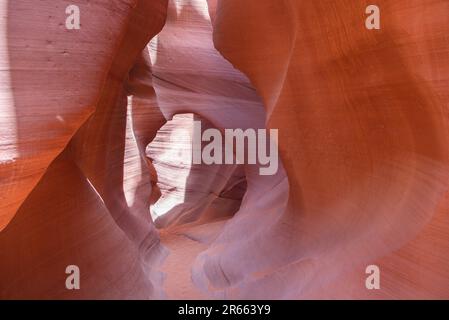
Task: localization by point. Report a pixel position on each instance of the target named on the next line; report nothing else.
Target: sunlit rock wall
(95, 122)
(69, 92)
(362, 118)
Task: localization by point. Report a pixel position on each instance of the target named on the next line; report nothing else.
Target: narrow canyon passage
(97, 147)
(190, 75)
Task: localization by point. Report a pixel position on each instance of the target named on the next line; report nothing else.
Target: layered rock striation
(96, 132)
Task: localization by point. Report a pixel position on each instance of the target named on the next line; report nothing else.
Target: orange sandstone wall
(89, 116)
(362, 118)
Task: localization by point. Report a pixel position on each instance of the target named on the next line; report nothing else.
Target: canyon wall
(96, 129)
(362, 118)
(69, 90)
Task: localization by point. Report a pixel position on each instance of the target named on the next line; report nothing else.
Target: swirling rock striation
(96, 126)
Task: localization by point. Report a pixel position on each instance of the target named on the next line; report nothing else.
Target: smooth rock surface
(96, 129)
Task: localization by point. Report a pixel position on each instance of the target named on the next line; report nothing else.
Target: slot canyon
(96, 130)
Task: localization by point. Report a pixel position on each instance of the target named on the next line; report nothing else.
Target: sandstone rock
(95, 135)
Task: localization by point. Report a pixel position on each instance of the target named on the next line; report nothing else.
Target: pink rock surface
(96, 129)
(189, 192)
(77, 107)
(363, 127)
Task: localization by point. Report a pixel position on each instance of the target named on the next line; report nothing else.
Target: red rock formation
(363, 133)
(77, 108)
(92, 123)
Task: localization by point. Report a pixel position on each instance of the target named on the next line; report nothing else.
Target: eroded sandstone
(93, 121)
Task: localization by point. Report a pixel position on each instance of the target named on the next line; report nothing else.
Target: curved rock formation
(96, 132)
(362, 135)
(191, 193)
(86, 125)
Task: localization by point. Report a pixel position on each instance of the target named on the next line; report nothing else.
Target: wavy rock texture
(77, 107)
(96, 130)
(191, 76)
(363, 126)
(191, 193)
